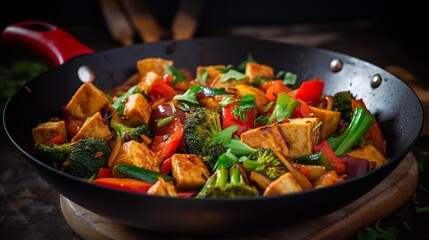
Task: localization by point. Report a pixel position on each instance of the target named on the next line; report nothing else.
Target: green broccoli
(87, 156)
(53, 153)
(200, 127)
(265, 162)
(343, 103)
(227, 183)
(129, 133)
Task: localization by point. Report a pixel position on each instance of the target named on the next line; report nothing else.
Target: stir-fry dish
(227, 132)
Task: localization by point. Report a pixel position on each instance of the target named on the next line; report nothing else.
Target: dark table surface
(30, 207)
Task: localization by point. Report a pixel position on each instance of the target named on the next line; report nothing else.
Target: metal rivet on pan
(376, 80)
(85, 74)
(336, 65)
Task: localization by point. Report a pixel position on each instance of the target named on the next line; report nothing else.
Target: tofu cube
(137, 111)
(244, 89)
(157, 65)
(369, 152)
(148, 80)
(137, 154)
(218, 83)
(44, 132)
(300, 135)
(211, 71)
(286, 183)
(87, 100)
(265, 137)
(163, 188)
(94, 126)
(189, 171)
(255, 70)
(330, 120)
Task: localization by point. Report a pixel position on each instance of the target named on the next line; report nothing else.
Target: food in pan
(227, 132)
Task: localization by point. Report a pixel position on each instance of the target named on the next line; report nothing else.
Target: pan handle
(50, 42)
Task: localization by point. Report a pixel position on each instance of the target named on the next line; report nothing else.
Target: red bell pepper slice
(229, 119)
(337, 164)
(186, 194)
(273, 88)
(165, 145)
(303, 110)
(127, 184)
(57, 140)
(374, 133)
(165, 167)
(104, 173)
(310, 91)
(160, 89)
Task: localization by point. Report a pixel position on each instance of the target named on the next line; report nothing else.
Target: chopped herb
(376, 232)
(268, 106)
(118, 105)
(422, 210)
(203, 76)
(223, 137)
(173, 108)
(262, 120)
(246, 103)
(164, 121)
(178, 76)
(408, 225)
(227, 100)
(225, 69)
(232, 74)
(239, 148)
(190, 96)
(290, 79)
(242, 65)
(207, 91)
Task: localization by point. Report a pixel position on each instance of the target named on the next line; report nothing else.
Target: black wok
(396, 106)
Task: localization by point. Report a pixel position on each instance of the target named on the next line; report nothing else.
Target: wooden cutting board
(389, 195)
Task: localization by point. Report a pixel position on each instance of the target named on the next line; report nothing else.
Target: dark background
(403, 20)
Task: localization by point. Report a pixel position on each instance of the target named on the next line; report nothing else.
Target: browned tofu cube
(370, 153)
(189, 171)
(219, 83)
(44, 132)
(94, 126)
(265, 137)
(286, 183)
(87, 100)
(211, 71)
(255, 70)
(157, 65)
(301, 134)
(137, 111)
(330, 120)
(148, 80)
(163, 188)
(244, 89)
(137, 154)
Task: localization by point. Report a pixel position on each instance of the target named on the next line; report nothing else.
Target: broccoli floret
(361, 121)
(265, 162)
(343, 103)
(200, 127)
(87, 156)
(227, 183)
(129, 133)
(53, 153)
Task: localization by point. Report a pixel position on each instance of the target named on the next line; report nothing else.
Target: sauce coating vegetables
(227, 132)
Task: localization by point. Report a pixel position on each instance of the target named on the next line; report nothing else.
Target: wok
(395, 105)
